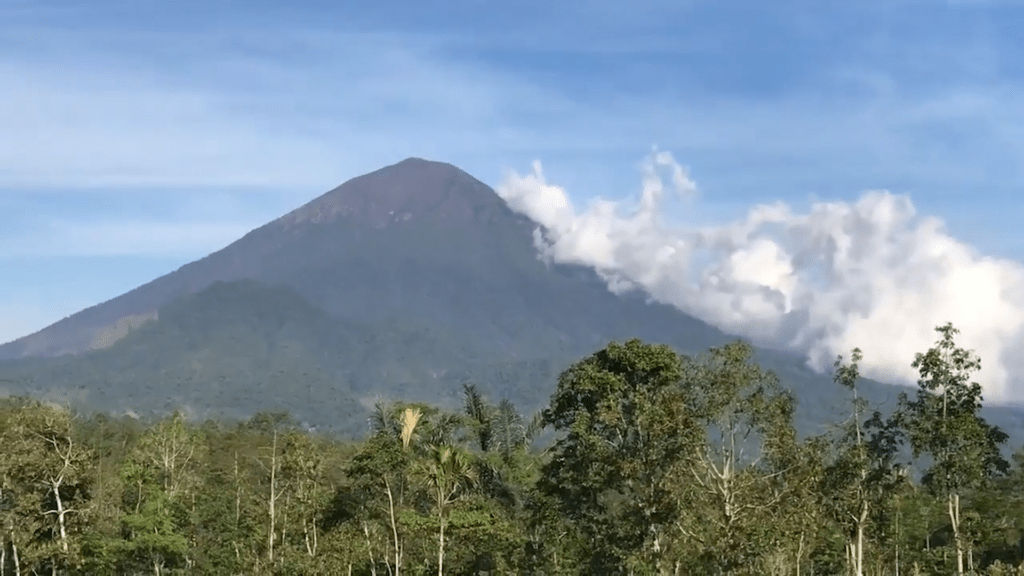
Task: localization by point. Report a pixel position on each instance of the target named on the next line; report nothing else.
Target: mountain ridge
(405, 282)
(80, 331)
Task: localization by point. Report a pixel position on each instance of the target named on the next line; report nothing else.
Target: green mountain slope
(402, 283)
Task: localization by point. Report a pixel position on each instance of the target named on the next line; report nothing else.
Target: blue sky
(141, 135)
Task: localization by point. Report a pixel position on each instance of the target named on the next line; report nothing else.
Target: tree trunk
(859, 566)
(238, 494)
(284, 518)
(14, 556)
(369, 550)
(273, 499)
(313, 521)
(394, 527)
(954, 519)
(61, 512)
(440, 548)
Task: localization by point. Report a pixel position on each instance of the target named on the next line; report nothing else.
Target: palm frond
(535, 427)
(509, 429)
(481, 416)
(410, 417)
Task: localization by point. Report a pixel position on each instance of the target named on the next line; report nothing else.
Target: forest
(643, 462)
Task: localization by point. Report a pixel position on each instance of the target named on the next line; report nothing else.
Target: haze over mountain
(404, 282)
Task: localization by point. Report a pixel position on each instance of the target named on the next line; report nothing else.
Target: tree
(45, 476)
(863, 475)
(161, 476)
(741, 465)
(943, 422)
(502, 438)
(380, 471)
(447, 472)
(303, 468)
(154, 536)
(615, 474)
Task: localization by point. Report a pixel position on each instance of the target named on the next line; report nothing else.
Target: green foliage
(743, 468)
(660, 464)
(627, 431)
(862, 479)
(943, 420)
(944, 423)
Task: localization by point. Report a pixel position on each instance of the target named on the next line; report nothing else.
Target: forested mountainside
(404, 283)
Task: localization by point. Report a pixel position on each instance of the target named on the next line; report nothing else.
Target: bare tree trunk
(799, 553)
(305, 535)
(284, 518)
(61, 512)
(270, 512)
(369, 550)
(440, 548)
(56, 482)
(313, 521)
(238, 494)
(859, 566)
(14, 555)
(273, 500)
(954, 518)
(394, 527)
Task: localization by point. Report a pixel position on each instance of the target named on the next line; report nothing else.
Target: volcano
(402, 283)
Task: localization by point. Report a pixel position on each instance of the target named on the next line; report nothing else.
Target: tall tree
(447, 472)
(863, 475)
(481, 416)
(747, 417)
(302, 467)
(615, 473)
(944, 422)
(380, 471)
(46, 472)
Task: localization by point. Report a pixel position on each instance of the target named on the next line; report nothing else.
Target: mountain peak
(414, 188)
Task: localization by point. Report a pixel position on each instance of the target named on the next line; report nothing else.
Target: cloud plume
(872, 273)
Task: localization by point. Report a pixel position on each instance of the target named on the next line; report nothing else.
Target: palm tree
(500, 428)
(447, 473)
(396, 423)
(481, 416)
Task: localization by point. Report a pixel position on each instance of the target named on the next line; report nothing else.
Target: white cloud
(870, 274)
(309, 108)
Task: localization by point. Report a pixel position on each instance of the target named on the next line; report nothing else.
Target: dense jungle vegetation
(644, 462)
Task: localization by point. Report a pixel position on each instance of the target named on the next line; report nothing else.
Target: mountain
(418, 241)
(404, 282)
